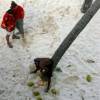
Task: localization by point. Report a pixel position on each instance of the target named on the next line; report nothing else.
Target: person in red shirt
(18, 13)
(9, 23)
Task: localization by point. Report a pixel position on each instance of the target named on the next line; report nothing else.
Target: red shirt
(18, 12)
(8, 22)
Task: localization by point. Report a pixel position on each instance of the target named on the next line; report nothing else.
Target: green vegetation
(58, 70)
(89, 78)
(54, 91)
(36, 93)
(30, 83)
(39, 98)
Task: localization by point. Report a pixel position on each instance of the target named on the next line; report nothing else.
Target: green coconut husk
(89, 78)
(30, 83)
(36, 93)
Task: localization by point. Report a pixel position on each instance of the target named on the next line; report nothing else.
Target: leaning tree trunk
(75, 32)
(86, 5)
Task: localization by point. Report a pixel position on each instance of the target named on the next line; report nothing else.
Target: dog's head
(44, 65)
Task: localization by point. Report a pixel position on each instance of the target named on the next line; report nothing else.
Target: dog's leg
(48, 85)
(36, 70)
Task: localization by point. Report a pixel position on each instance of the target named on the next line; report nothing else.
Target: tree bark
(86, 5)
(75, 32)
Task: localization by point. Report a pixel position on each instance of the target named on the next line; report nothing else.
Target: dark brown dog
(45, 66)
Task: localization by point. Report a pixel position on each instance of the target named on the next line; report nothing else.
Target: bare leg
(8, 42)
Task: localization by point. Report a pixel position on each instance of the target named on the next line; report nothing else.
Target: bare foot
(10, 45)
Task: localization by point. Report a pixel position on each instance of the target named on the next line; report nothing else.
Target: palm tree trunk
(75, 32)
(86, 5)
